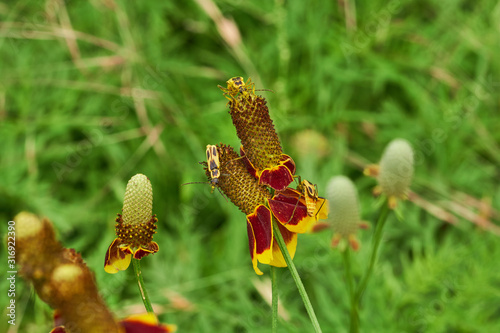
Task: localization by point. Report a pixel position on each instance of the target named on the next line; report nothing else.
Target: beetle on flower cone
(261, 146)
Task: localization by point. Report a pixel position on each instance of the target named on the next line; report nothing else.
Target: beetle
(236, 85)
(310, 194)
(213, 165)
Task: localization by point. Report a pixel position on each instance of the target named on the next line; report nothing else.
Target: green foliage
(136, 92)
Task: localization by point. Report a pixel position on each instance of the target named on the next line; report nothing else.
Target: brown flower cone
(236, 183)
(255, 129)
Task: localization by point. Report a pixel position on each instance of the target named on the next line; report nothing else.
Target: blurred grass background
(93, 92)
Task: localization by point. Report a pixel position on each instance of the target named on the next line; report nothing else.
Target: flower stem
(142, 288)
(296, 277)
(348, 273)
(346, 255)
(384, 212)
(274, 286)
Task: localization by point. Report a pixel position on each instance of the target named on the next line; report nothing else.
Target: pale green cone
(344, 210)
(138, 202)
(396, 169)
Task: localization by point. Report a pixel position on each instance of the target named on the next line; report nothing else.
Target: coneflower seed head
(396, 168)
(344, 205)
(138, 202)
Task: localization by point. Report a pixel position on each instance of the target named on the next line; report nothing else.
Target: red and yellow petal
(278, 177)
(251, 169)
(118, 257)
(146, 322)
(290, 209)
(290, 239)
(140, 323)
(141, 252)
(252, 247)
(288, 162)
(260, 236)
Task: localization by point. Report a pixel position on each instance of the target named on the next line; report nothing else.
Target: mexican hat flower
(261, 146)
(256, 202)
(62, 279)
(394, 173)
(134, 228)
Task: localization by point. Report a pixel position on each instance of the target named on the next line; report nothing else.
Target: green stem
(348, 273)
(274, 285)
(140, 281)
(296, 277)
(346, 255)
(358, 295)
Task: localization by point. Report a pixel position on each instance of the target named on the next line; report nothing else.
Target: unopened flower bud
(344, 210)
(396, 169)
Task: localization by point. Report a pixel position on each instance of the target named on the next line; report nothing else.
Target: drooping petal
(290, 239)
(260, 225)
(353, 242)
(278, 177)
(290, 208)
(147, 323)
(252, 246)
(251, 169)
(151, 248)
(322, 209)
(318, 227)
(336, 239)
(288, 162)
(117, 257)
